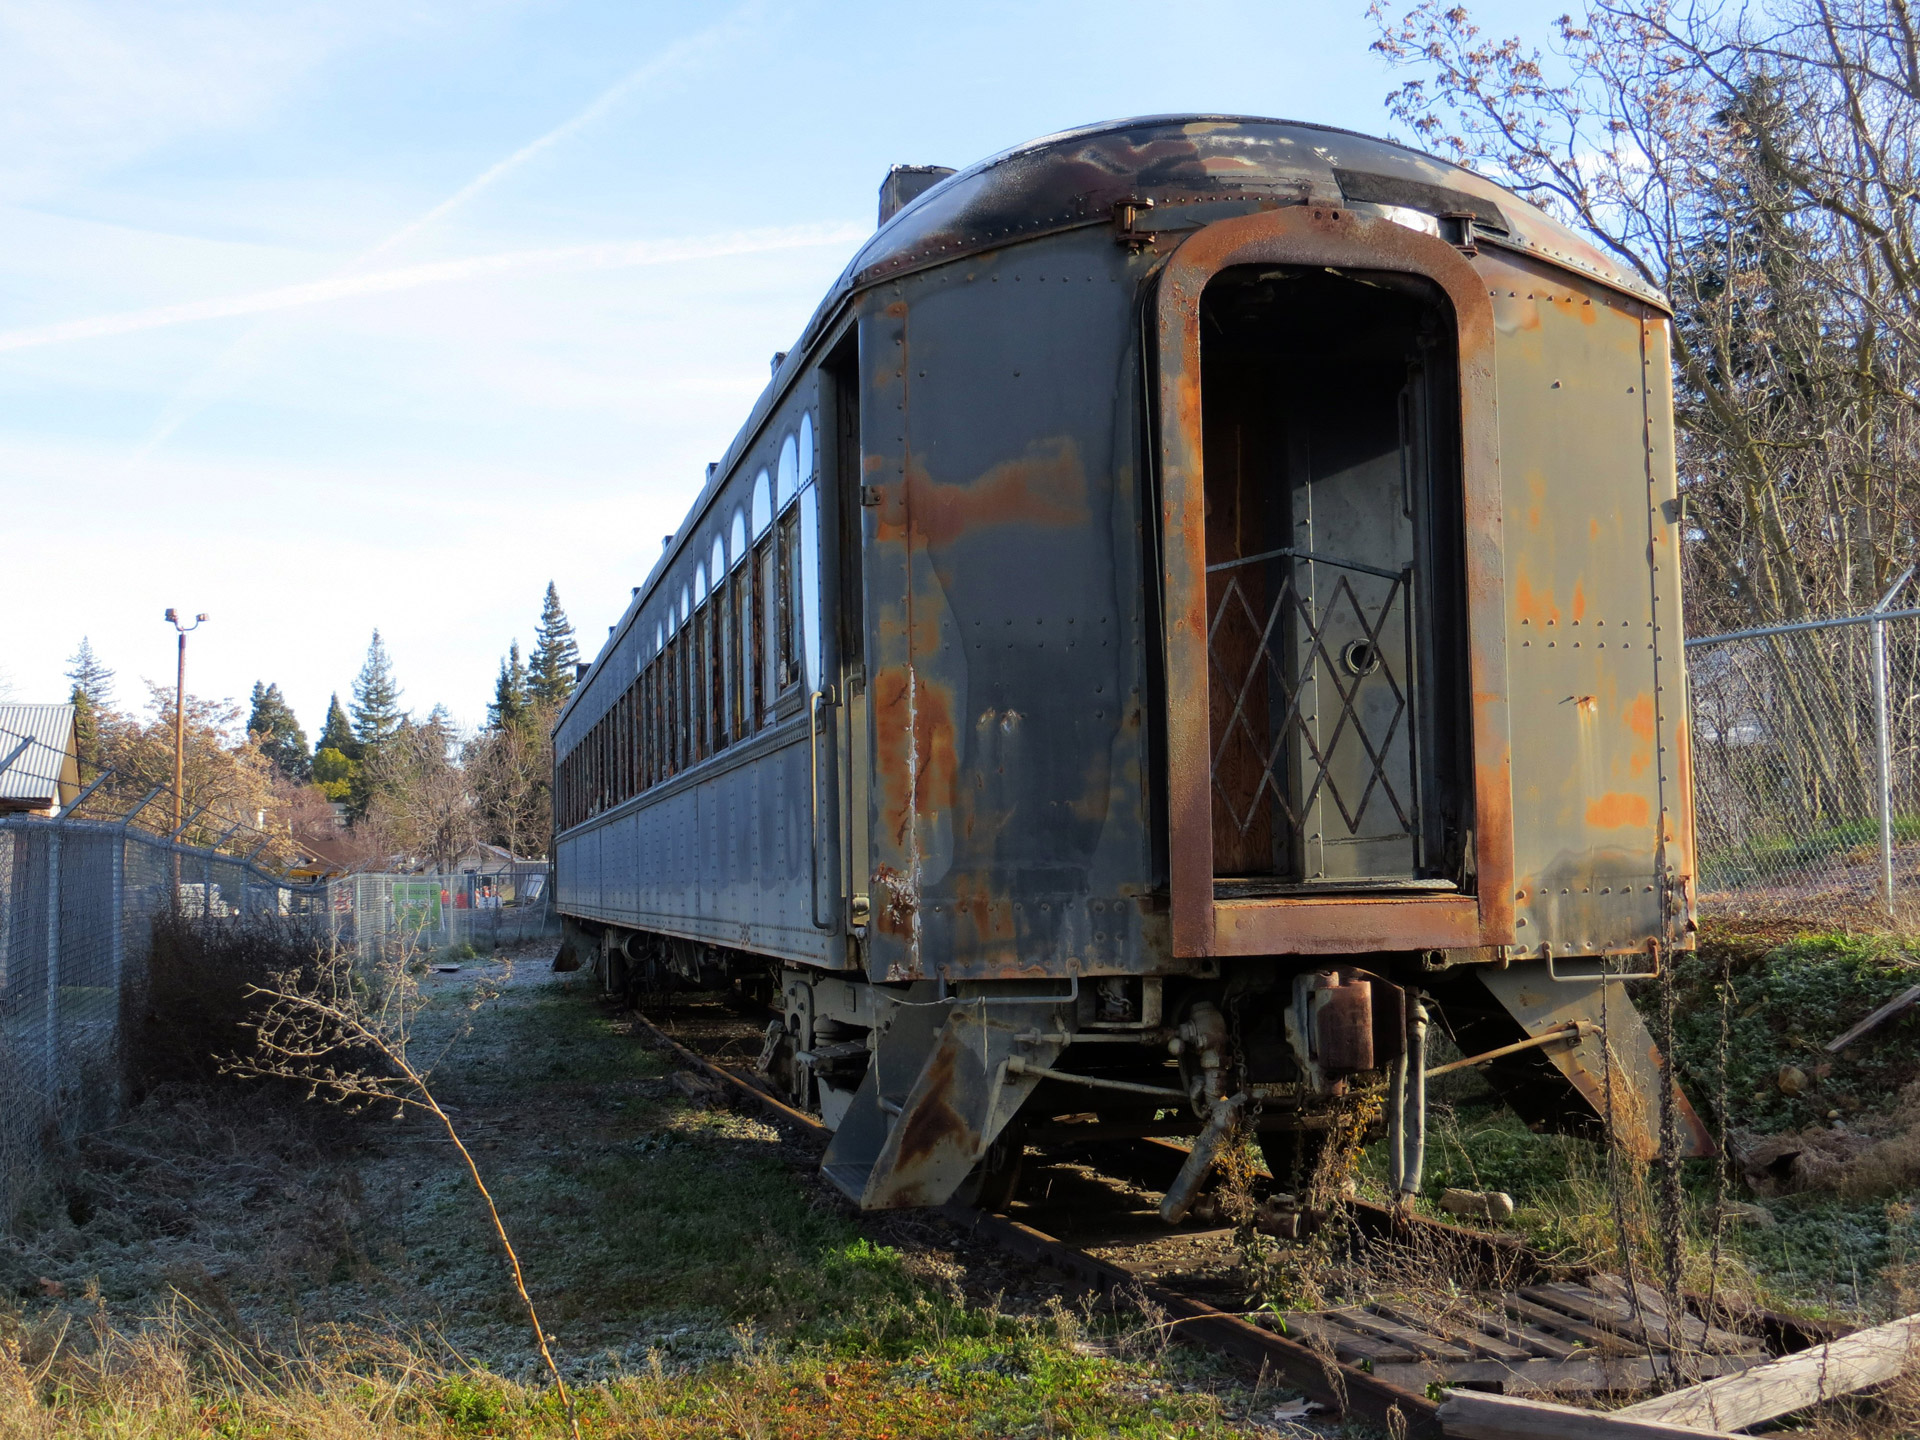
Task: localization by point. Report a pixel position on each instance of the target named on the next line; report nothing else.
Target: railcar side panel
(721, 858)
(1006, 609)
(1588, 766)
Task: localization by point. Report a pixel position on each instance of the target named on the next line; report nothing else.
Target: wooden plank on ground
(1344, 1343)
(1454, 1328)
(1765, 1392)
(1421, 1341)
(1698, 1333)
(1479, 1415)
(1885, 1012)
(1538, 1342)
(1548, 1318)
(1594, 1375)
(1612, 1315)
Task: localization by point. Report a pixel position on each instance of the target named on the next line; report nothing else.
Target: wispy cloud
(677, 56)
(245, 351)
(443, 272)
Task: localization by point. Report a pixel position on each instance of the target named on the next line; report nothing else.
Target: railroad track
(1521, 1326)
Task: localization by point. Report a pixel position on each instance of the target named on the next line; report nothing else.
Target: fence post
(1883, 754)
(1883, 739)
(53, 970)
(117, 938)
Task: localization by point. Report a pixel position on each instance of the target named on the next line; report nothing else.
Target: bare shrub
(346, 1033)
(201, 1002)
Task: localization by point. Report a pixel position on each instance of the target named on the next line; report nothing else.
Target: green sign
(416, 905)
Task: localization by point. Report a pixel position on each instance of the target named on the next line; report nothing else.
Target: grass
(248, 1265)
(1844, 1252)
(1760, 859)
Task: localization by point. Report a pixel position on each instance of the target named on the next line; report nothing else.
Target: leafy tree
(376, 711)
(226, 779)
(509, 771)
(511, 695)
(555, 656)
(414, 797)
(337, 734)
(334, 773)
(277, 732)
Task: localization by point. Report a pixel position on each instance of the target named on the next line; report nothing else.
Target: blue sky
(322, 317)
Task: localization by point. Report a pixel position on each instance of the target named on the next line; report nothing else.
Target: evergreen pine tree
(338, 733)
(376, 699)
(510, 692)
(277, 732)
(90, 677)
(92, 698)
(86, 733)
(555, 655)
(336, 755)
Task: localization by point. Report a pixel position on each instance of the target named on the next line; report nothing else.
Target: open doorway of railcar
(1336, 657)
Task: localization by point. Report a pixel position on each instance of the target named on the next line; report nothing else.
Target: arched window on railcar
(806, 446)
(700, 635)
(723, 728)
(788, 474)
(788, 611)
(808, 641)
(740, 618)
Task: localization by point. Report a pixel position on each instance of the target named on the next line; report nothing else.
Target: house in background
(496, 874)
(41, 774)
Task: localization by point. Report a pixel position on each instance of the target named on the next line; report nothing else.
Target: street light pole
(180, 713)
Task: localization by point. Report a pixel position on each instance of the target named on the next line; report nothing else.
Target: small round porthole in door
(1360, 657)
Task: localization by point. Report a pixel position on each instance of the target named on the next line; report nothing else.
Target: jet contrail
(667, 60)
(200, 390)
(409, 277)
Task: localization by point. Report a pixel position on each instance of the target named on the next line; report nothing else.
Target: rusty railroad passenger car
(1197, 606)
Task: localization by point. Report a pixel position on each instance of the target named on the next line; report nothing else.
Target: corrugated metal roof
(48, 729)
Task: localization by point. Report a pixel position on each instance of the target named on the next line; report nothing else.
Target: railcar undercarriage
(937, 1091)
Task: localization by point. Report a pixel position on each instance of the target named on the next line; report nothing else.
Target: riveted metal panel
(1006, 602)
(1583, 618)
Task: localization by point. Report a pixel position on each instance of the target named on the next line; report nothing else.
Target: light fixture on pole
(180, 713)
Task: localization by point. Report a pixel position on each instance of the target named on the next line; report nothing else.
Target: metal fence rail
(1806, 745)
(77, 899)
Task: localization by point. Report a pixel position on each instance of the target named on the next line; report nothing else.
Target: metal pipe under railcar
(1197, 606)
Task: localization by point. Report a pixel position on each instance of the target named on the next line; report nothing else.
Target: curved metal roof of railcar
(1075, 177)
(1071, 179)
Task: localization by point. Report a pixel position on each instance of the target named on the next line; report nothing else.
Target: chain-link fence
(1806, 745)
(379, 915)
(77, 901)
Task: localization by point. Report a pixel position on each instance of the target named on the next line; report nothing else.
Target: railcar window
(723, 728)
(762, 504)
(699, 586)
(789, 471)
(766, 624)
(806, 447)
(696, 700)
(789, 613)
(626, 745)
(809, 621)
